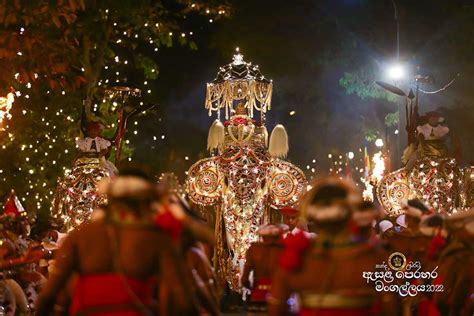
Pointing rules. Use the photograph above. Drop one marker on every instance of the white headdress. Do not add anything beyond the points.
(124, 187)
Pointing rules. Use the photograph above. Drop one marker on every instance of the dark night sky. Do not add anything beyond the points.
(305, 47)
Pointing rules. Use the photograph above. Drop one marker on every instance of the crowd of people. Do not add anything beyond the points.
(146, 252)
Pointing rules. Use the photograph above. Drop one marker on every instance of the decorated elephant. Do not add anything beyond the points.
(245, 177)
(430, 173)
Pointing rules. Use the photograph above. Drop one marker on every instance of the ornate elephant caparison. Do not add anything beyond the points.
(245, 177)
(430, 173)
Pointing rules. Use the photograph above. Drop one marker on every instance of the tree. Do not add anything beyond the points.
(55, 54)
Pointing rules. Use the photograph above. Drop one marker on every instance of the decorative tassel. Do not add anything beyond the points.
(265, 135)
(278, 142)
(216, 135)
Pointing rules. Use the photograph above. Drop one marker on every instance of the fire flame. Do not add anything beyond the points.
(379, 167)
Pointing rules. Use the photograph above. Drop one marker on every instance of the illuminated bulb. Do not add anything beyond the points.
(379, 142)
(396, 72)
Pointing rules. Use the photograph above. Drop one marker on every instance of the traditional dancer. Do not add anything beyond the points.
(118, 257)
(260, 259)
(318, 271)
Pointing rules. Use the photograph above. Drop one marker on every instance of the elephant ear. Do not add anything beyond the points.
(391, 190)
(203, 184)
(287, 184)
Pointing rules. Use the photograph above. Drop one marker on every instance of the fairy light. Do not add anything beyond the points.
(52, 142)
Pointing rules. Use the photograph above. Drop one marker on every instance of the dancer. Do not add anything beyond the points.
(318, 271)
(118, 258)
(260, 259)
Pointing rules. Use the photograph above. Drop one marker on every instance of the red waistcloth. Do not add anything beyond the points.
(261, 289)
(336, 312)
(427, 308)
(108, 293)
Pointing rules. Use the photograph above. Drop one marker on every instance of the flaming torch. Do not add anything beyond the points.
(375, 176)
(379, 167)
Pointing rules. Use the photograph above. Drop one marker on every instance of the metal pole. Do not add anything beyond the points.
(397, 21)
(398, 151)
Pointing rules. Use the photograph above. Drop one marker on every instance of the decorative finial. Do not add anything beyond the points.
(238, 58)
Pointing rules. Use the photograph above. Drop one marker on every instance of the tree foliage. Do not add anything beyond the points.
(362, 84)
(61, 55)
(391, 119)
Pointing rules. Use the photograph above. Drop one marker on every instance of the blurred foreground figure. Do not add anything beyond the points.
(194, 237)
(363, 218)
(456, 261)
(261, 259)
(120, 259)
(327, 273)
(410, 240)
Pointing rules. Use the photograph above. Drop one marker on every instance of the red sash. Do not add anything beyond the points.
(106, 294)
(261, 289)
